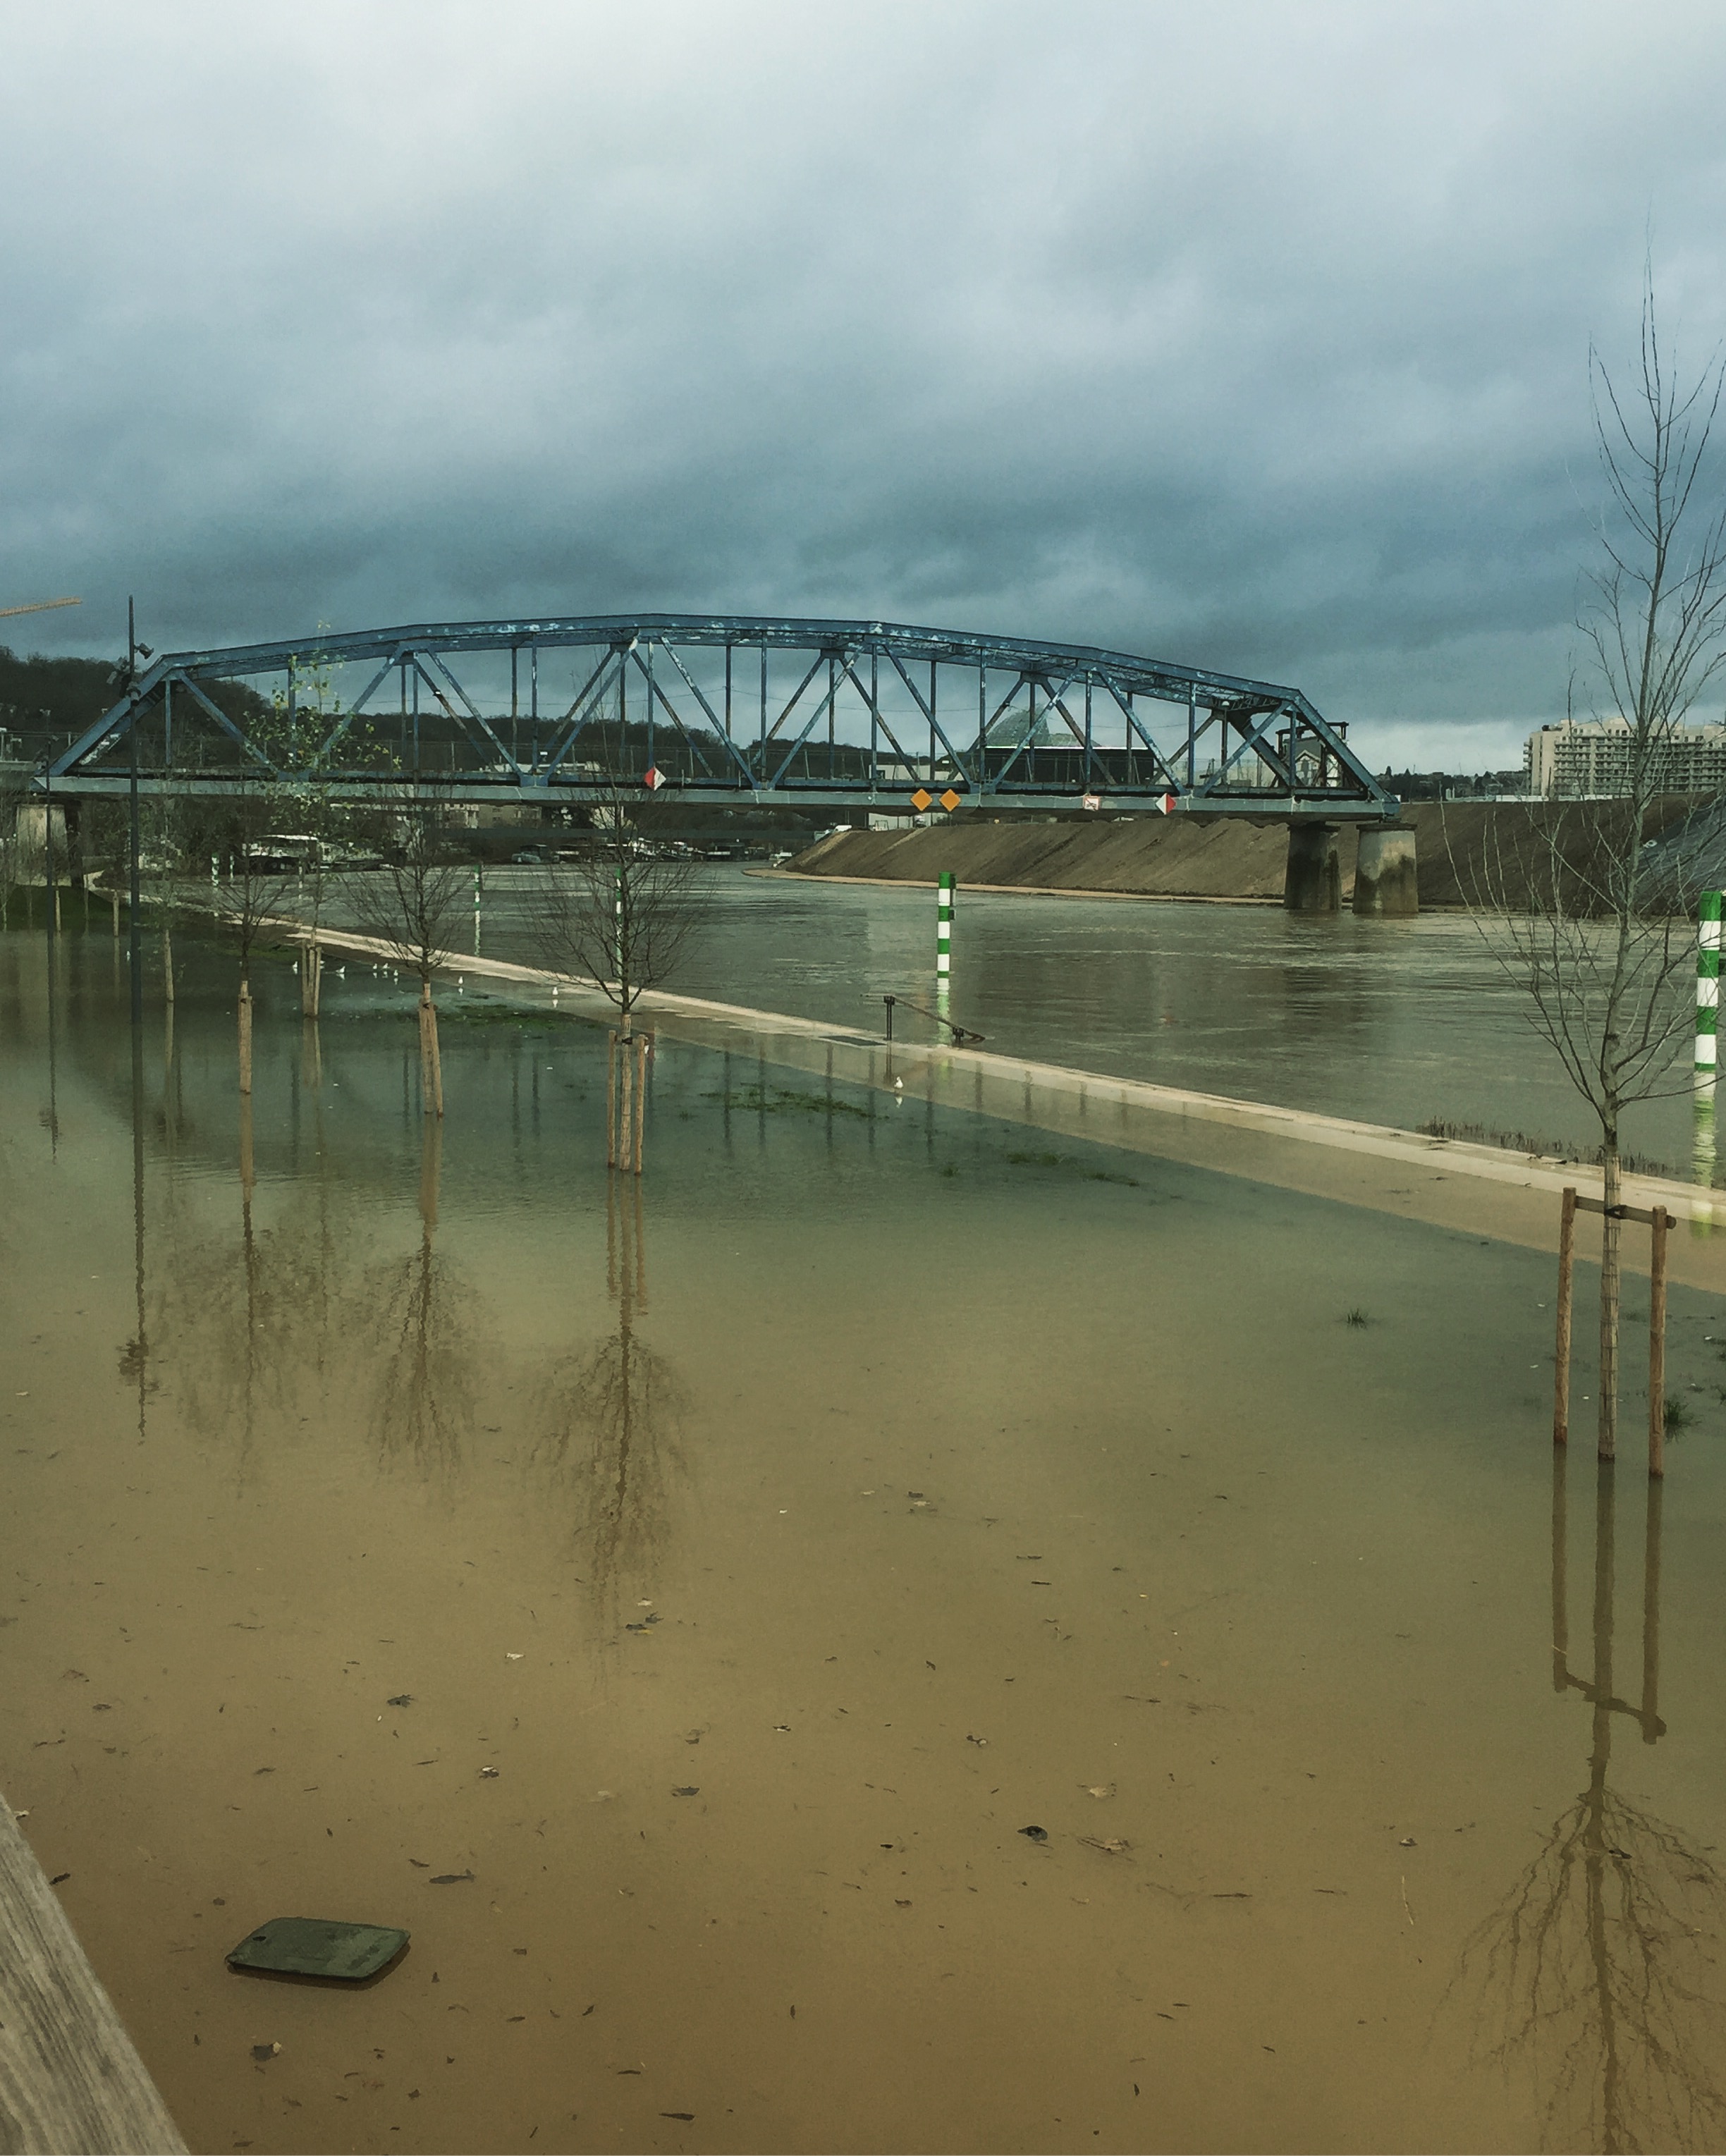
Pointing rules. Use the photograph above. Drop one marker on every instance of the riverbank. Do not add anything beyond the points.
(1464, 851)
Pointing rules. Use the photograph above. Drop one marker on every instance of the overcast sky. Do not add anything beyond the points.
(1254, 336)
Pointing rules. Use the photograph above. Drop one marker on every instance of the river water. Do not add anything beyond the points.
(892, 1632)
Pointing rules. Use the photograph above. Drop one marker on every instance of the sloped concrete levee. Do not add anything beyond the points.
(1467, 852)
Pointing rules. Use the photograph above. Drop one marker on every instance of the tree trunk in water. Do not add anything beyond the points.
(431, 1154)
(167, 965)
(1609, 1227)
(245, 1039)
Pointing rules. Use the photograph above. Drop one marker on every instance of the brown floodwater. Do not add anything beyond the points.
(673, 1603)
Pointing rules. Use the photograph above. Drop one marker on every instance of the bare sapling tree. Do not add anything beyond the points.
(1597, 934)
(622, 915)
(160, 860)
(299, 724)
(413, 906)
(13, 845)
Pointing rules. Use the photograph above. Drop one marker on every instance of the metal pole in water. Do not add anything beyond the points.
(54, 891)
(1561, 1357)
(1708, 985)
(136, 949)
(1707, 1014)
(945, 888)
(1657, 1344)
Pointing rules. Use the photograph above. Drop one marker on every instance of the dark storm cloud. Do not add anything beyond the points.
(1256, 336)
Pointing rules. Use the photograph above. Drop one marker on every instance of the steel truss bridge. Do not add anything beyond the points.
(719, 710)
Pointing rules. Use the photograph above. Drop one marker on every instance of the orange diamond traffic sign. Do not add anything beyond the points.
(949, 801)
(920, 800)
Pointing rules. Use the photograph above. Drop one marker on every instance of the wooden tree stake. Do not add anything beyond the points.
(1659, 1223)
(245, 1038)
(623, 1120)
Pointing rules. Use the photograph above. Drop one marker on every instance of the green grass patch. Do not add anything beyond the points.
(785, 1100)
(1071, 1161)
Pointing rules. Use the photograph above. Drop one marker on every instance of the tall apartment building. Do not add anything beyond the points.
(1591, 756)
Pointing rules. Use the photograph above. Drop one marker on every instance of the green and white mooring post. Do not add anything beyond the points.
(1707, 986)
(944, 889)
(1708, 1045)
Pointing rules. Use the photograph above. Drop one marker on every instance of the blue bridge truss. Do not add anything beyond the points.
(721, 710)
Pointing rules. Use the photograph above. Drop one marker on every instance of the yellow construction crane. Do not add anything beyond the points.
(39, 606)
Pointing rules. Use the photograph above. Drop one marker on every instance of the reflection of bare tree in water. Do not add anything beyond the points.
(611, 1421)
(1598, 1968)
(427, 1384)
(261, 1335)
(225, 1323)
(245, 1334)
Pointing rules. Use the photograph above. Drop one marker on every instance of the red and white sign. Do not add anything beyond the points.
(653, 779)
(1091, 801)
(1166, 804)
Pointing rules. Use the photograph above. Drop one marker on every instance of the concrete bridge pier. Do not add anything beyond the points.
(1313, 882)
(1385, 880)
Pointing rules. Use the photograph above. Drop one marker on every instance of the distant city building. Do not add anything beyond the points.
(1412, 786)
(1591, 756)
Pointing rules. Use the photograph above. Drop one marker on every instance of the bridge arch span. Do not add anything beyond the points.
(724, 709)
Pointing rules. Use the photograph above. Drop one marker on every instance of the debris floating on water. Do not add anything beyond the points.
(319, 1947)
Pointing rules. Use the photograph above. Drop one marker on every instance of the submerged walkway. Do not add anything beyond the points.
(70, 2078)
(1477, 1189)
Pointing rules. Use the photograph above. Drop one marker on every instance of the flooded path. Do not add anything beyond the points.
(1385, 1021)
(674, 1603)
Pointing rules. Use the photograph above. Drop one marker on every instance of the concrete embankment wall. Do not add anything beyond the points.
(1464, 849)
